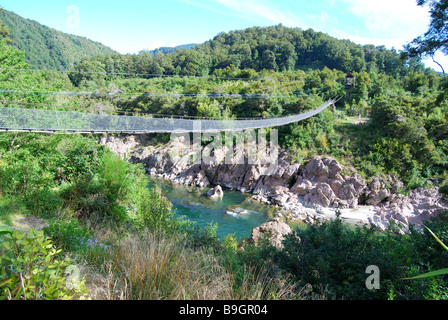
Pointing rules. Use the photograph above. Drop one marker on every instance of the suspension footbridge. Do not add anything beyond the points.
(57, 121)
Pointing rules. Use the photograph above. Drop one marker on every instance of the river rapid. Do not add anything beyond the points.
(236, 213)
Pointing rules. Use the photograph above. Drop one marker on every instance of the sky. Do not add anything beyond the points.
(131, 26)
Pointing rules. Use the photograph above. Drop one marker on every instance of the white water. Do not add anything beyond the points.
(362, 214)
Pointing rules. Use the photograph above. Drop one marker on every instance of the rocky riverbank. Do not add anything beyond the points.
(316, 190)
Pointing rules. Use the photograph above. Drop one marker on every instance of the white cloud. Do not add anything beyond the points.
(157, 44)
(322, 21)
(252, 8)
(402, 18)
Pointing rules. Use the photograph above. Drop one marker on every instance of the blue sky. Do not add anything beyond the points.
(132, 25)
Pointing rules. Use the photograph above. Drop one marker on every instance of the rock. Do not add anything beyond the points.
(378, 197)
(215, 193)
(321, 183)
(121, 145)
(278, 195)
(380, 188)
(419, 206)
(283, 174)
(301, 187)
(318, 183)
(273, 230)
(322, 169)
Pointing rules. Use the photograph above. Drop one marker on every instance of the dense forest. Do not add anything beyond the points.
(293, 70)
(274, 48)
(102, 216)
(47, 48)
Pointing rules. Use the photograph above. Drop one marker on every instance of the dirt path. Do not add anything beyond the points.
(26, 223)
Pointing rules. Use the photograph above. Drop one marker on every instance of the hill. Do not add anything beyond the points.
(279, 48)
(275, 48)
(47, 48)
(166, 50)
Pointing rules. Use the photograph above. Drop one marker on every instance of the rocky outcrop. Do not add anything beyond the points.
(123, 146)
(379, 190)
(274, 231)
(320, 183)
(420, 205)
(215, 193)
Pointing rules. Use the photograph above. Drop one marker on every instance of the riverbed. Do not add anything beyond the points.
(237, 213)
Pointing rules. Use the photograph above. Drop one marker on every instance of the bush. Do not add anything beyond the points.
(444, 190)
(334, 257)
(68, 235)
(30, 270)
(87, 198)
(154, 211)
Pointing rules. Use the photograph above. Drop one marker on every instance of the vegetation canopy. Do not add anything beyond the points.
(98, 216)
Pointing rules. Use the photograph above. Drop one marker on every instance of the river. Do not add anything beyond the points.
(236, 213)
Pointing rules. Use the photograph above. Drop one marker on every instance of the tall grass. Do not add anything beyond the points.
(160, 268)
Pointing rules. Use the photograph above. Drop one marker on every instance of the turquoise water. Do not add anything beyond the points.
(235, 213)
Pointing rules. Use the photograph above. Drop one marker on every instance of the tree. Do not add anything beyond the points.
(436, 38)
(4, 31)
(268, 60)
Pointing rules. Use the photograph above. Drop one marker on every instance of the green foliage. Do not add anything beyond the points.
(30, 270)
(444, 190)
(242, 53)
(435, 38)
(335, 257)
(42, 164)
(204, 237)
(68, 235)
(117, 176)
(47, 48)
(154, 211)
(4, 31)
(72, 176)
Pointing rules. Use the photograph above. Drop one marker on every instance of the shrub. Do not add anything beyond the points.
(444, 190)
(335, 257)
(68, 235)
(117, 175)
(87, 198)
(30, 270)
(154, 211)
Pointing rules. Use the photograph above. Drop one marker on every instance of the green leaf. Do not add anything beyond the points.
(5, 230)
(438, 240)
(7, 281)
(429, 274)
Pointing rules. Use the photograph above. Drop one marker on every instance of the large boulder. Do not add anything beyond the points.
(273, 230)
(215, 193)
(380, 189)
(321, 183)
(322, 169)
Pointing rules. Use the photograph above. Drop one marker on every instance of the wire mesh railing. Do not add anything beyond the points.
(57, 121)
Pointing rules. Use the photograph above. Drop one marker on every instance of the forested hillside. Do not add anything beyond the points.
(47, 48)
(165, 50)
(275, 48)
(100, 213)
(405, 101)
